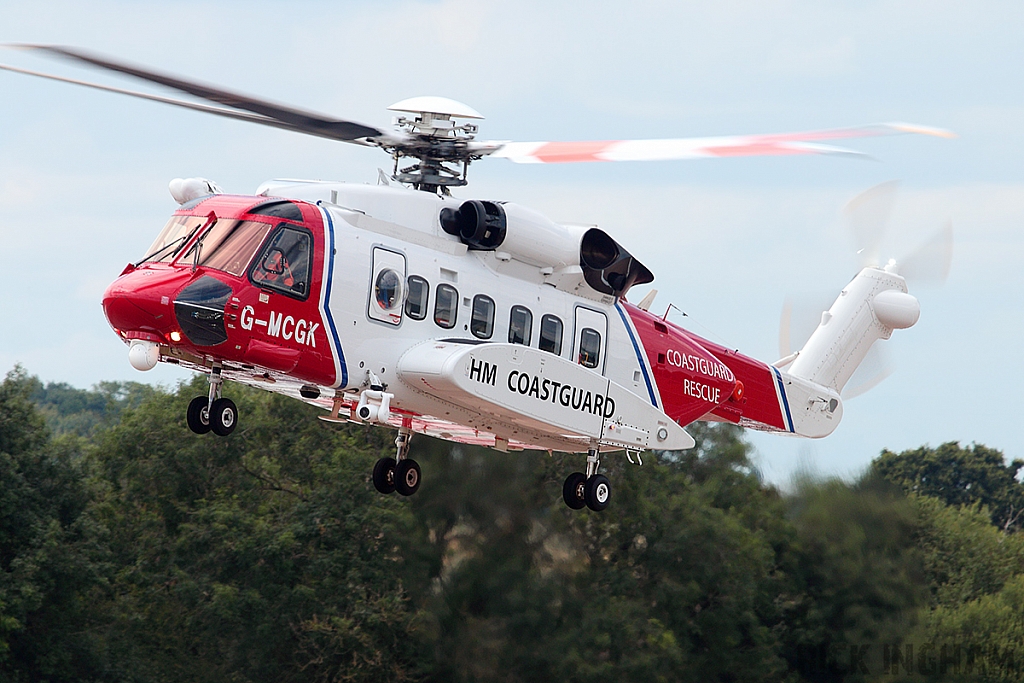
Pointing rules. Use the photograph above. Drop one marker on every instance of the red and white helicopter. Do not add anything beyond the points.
(476, 321)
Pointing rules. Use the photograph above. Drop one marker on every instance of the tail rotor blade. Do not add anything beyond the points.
(785, 321)
(867, 218)
(875, 368)
(930, 263)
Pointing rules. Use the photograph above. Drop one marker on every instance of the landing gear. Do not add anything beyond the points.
(198, 415)
(592, 490)
(211, 412)
(407, 477)
(597, 491)
(384, 475)
(573, 490)
(400, 473)
(223, 416)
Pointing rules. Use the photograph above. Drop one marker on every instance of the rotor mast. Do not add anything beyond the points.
(439, 143)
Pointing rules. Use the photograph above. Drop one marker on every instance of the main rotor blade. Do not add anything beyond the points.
(268, 113)
(778, 144)
(205, 108)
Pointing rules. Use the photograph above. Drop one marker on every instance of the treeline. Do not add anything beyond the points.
(134, 550)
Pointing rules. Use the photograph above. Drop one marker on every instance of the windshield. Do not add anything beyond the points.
(229, 245)
(172, 238)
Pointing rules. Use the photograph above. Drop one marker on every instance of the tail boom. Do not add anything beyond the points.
(802, 399)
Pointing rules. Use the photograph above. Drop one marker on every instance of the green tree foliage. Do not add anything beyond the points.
(265, 556)
(857, 573)
(965, 556)
(979, 640)
(678, 584)
(134, 550)
(68, 410)
(51, 559)
(959, 476)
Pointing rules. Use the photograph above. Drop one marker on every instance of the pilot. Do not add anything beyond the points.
(275, 269)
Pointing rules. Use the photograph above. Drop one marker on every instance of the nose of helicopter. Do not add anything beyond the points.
(141, 301)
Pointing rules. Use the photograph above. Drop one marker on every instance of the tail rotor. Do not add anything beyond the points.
(867, 217)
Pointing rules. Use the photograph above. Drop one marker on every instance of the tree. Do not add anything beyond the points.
(52, 566)
(979, 640)
(959, 476)
(857, 577)
(964, 555)
(263, 556)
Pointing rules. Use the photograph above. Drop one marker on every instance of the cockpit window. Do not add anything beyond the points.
(278, 209)
(172, 238)
(284, 263)
(229, 245)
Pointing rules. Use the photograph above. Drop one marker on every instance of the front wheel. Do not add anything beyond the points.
(407, 477)
(223, 416)
(572, 490)
(384, 475)
(597, 491)
(198, 415)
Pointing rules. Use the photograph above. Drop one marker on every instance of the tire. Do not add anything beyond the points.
(197, 417)
(223, 416)
(384, 475)
(572, 490)
(597, 492)
(407, 477)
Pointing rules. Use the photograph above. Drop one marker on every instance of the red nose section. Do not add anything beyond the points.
(142, 300)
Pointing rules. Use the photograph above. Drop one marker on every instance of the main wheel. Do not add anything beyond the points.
(572, 490)
(407, 477)
(198, 416)
(384, 475)
(597, 491)
(223, 416)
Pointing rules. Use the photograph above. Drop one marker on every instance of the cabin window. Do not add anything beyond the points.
(446, 306)
(590, 348)
(419, 294)
(482, 322)
(387, 290)
(284, 263)
(551, 334)
(520, 324)
(229, 245)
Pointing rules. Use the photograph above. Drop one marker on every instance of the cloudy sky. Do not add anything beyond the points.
(83, 175)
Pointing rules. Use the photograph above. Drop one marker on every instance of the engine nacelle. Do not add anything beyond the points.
(532, 238)
(607, 267)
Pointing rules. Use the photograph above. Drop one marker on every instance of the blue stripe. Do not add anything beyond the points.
(327, 297)
(785, 401)
(636, 347)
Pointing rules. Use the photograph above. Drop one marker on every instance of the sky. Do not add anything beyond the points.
(83, 174)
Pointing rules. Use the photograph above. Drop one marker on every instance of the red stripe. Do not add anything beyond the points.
(755, 149)
(565, 152)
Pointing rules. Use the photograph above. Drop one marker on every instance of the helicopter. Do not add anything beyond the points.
(477, 321)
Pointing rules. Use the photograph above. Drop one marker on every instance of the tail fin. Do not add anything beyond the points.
(874, 304)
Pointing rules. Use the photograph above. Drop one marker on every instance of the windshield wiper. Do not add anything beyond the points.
(181, 241)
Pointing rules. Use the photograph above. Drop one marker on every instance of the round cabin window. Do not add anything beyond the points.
(387, 290)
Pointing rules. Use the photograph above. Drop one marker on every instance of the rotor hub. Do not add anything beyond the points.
(436, 140)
